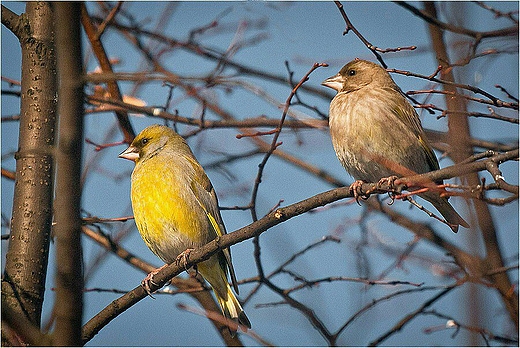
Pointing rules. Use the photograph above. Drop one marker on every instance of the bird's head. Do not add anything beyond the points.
(151, 141)
(358, 74)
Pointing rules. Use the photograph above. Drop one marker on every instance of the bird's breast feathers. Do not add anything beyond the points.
(166, 211)
(368, 137)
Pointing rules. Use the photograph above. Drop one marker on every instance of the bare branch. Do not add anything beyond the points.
(105, 64)
(510, 31)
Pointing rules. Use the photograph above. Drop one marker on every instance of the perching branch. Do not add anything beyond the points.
(263, 224)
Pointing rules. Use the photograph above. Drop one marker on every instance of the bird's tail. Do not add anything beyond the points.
(446, 209)
(232, 308)
(216, 276)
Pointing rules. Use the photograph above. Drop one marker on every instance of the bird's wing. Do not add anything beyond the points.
(407, 114)
(405, 111)
(207, 198)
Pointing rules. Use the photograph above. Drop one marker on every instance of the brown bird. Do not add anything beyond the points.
(377, 133)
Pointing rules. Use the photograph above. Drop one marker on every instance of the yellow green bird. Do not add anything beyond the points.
(176, 209)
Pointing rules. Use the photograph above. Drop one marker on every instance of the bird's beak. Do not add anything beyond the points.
(132, 154)
(335, 82)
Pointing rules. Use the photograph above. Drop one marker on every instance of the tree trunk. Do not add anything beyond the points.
(23, 285)
(69, 279)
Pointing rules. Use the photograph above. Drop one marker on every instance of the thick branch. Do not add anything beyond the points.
(13, 22)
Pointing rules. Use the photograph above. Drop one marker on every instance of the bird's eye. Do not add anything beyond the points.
(351, 72)
(144, 141)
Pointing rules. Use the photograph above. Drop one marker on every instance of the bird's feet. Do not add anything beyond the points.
(355, 188)
(184, 257)
(387, 181)
(145, 283)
